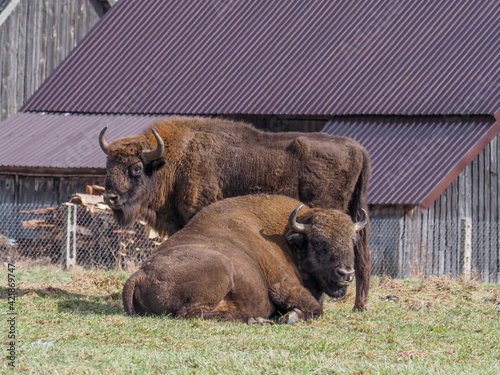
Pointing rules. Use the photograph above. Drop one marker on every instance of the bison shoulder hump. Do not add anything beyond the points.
(299, 146)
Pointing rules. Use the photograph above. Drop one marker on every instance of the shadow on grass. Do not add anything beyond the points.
(75, 303)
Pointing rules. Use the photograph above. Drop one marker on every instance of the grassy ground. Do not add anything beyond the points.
(430, 327)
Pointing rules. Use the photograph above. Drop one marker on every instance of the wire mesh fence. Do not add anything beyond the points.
(35, 234)
(403, 250)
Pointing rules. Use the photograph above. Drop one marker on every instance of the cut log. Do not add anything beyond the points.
(86, 199)
(40, 211)
(95, 190)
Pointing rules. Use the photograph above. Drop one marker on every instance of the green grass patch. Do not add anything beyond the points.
(73, 323)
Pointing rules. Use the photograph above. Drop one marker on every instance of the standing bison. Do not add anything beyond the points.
(247, 258)
(180, 165)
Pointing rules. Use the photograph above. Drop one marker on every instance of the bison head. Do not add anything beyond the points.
(325, 239)
(130, 175)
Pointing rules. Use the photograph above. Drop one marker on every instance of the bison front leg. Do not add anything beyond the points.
(362, 265)
(205, 312)
(195, 199)
(293, 297)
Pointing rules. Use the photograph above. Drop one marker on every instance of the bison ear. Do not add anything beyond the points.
(295, 239)
(156, 164)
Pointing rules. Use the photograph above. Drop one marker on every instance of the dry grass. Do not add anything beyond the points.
(73, 322)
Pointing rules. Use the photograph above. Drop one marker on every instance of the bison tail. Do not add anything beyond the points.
(362, 254)
(359, 196)
(129, 290)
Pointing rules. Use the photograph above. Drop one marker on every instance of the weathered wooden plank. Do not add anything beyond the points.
(461, 194)
(448, 255)
(2, 57)
(481, 212)
(475, 211)
(37, 189)
(82, 20)
(72, 20)
(51, 38)
(494, 178)
(410, 244)
(424, 251)
(76, 184)
(465, 247)
(468, 190)
(7, 189)
(62, 29)
(487, 209)
(494, 246)
(448, 225)
(6, 66)
(401, 245)
(21, 54)
(442, 234)
(11, 82)
(37, 47)
(44, 41)
(92, 17)
(496, 209)
(430, 239)
(407, 246)
(31, 26)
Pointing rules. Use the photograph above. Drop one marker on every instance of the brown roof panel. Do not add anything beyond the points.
(414, 159)
(314, 57)
(62, 140)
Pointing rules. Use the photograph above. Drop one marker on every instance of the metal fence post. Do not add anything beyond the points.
(69, 235)
(466, 247)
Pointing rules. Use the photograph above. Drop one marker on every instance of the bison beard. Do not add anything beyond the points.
(127, 216)
(212, 159)
(339, 293)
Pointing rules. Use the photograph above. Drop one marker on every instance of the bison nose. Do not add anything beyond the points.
(345, 274)
(111, 199)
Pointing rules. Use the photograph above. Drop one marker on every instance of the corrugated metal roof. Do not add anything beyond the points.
(62, 140)
(314, 57)
(415, 159)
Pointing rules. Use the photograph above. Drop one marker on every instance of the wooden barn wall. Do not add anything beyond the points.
(284, 124)
(428, 241)
(50, 190)
(34, 40)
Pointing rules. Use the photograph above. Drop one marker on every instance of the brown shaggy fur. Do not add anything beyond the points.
(238, 260)
(206, 160)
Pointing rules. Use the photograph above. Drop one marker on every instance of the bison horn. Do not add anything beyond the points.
(298, 227)
(158, 152)
(102, 142)
(362, 223)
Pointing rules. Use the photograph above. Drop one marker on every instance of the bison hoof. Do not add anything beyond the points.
(260, 321)
(361, 307)
(291, 317)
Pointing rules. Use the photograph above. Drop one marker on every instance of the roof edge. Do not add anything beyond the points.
(11, 6)
(51, 171)
(461, 165)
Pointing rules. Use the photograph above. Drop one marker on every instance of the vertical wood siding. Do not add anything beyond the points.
(50, 190)
(34, 40)
(430, 244)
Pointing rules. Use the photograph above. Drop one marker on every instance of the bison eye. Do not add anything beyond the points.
(136, 170)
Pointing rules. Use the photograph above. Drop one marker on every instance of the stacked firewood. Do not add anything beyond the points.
(100, 241)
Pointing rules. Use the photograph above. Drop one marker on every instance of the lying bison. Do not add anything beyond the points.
(247, 258)
(180, 165)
